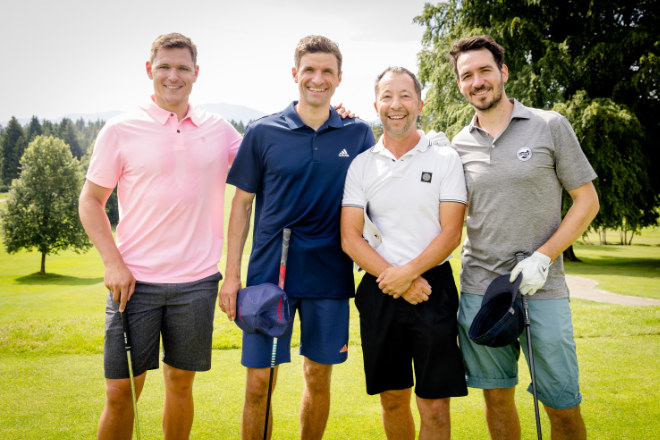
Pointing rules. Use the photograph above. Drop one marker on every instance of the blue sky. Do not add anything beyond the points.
(88, 56)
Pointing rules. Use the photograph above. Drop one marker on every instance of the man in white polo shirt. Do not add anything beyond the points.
(414, 193)
(169, 162)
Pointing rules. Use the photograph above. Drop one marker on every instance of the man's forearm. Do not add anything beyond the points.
(575, 222)
(237, 232)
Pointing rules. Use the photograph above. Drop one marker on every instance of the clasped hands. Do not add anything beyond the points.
(399, 281)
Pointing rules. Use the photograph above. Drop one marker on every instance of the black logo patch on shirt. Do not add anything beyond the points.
(427, 176)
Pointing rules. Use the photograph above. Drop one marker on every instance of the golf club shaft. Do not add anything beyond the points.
(127, 346)
(286, 236)
(531, 368)
(532, 372)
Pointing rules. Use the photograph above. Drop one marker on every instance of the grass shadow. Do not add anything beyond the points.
(57, 279)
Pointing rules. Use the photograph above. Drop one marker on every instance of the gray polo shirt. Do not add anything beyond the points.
(514, 184)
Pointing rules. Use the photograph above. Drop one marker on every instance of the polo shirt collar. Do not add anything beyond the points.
(423, 144)
(294, 122)
(519, 112)
(161, 115)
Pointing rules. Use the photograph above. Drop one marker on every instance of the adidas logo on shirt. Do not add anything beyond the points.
(343, 153)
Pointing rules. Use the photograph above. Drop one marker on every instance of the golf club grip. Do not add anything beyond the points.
(124, 324)
(286, 236)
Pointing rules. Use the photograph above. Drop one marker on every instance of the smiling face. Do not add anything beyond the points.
(398, 104)
(317, 77)
(480, 80)
(173, 73)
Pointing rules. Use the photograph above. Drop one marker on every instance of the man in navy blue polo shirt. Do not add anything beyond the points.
(294, 164)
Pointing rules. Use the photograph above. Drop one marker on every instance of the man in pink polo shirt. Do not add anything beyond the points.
(169, 161)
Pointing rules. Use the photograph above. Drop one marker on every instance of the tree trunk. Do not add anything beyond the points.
(43, 264)
(569, 255)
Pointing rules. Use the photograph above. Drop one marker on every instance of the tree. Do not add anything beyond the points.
(67, 132)
(13, 145)
(599, 58)
(42, 208)
(33, 129)
(612, 136)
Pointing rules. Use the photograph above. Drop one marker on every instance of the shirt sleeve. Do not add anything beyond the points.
(106, 164)
(354, 194)
(452, 187)
(572, 166)
(247, 168)
(233, 141)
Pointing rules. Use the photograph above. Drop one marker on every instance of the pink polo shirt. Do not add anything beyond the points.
(171, 187)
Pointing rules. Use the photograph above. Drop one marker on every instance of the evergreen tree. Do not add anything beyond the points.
(42, 209)
(33, 129)
(67, 133)
(13, 145)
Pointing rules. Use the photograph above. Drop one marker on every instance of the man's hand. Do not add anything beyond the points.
(344, 112)
(438, 138)
(395, 280)
(121, 282)
(227, 298)
(534, 270)
(419, 291)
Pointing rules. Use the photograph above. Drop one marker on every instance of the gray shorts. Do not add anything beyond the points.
(182, 313)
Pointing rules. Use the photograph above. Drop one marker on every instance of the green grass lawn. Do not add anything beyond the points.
(51, 335)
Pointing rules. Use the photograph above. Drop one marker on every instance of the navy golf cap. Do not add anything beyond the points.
(500, 320)
(263, 308)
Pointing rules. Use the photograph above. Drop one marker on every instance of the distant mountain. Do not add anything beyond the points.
(227, 111)
(234, 112)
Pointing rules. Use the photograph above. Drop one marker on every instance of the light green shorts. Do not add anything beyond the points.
(555, 359)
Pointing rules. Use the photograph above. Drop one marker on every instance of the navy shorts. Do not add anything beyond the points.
(323, 335)
(182, 313)
(397, 335)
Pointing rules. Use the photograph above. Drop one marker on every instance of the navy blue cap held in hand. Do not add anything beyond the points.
(500, 319)
(263, 308)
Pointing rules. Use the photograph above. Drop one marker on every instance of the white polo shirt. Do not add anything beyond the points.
(403, 196)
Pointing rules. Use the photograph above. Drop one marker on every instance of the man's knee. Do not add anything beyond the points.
(395, 400)
(256, 388)
(317, 376)
(178, 381)
(118, 393)
(566, 417)
(500, 399)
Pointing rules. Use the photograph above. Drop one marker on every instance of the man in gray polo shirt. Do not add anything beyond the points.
(517, 160)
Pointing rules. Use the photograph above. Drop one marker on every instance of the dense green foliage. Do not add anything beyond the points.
(42, 209)
(12, 144)
(598, 58)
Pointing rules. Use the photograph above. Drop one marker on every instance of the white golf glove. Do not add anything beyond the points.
(534, 270)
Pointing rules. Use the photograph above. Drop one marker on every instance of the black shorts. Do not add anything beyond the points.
(397, 335)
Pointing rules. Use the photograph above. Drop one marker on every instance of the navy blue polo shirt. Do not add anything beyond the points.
(298, 177)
